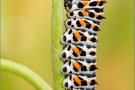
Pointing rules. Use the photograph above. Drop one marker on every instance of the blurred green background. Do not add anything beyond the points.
(26, 39)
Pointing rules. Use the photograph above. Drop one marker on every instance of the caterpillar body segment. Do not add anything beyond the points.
(79, 37)
(80, 81)
(79, 67)
(78, 52)
(85, 5)
(87, 14)
(66, 2)
(82, 24)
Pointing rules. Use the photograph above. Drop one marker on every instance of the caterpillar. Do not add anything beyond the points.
(80, 40)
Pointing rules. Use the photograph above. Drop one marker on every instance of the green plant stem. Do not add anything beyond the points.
(25, 73)
(56, 47)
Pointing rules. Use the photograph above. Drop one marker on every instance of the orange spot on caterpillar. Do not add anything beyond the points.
(84, 13)
(88, 38)
(77, 80)
(77, 66)
(85, 3)
(96, 15)
(98, 2)
(88, 68)
(82, 22)
(76, 50)
(92, 26)
(89, 82)
(77, 35)
(88, 52)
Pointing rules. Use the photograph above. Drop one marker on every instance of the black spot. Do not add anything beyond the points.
(83, 30)
(69, 63)
(93, 3)
(70, 32)
(78, 23)
(64, 69)
(92, 68)
(66, 84)
(72, 25)
(83, 38)
(69, 57)
(98, 10)
(71, 87)
(89, 89)
(64, 55)
(99, 17)
(83, 53)
(74, 38)
(96, 22)
(69, 22)
(71, 14)
(80, 5)
(93, 39)
(84, 83)
(69, 47)
(69, 5)
(91, 14)
(80, 44)
(88, 25)
(90, 60)
(92, 53)
(69, 41)
(93, 82)
(95, 28)
(91, 75)
(95, 34)
(64, 38)
(80, 14)
(101, 3)
(83, 68)
(88, 46)
(90, 33)
(70, 77)
(74, 18)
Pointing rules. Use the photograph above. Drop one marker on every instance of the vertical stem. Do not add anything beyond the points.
(56, 47)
